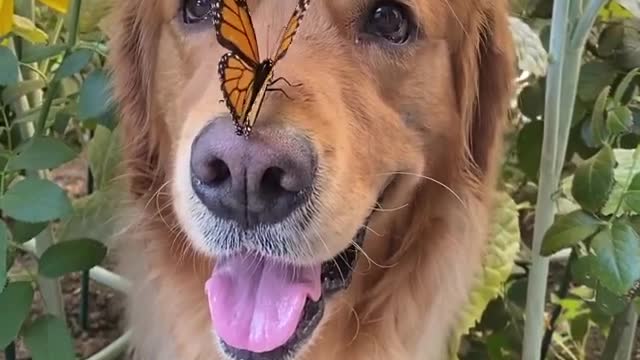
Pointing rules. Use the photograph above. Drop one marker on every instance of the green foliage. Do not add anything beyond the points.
(54, 97)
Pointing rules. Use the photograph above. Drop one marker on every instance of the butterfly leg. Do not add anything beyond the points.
(280, 91)
(286, 82)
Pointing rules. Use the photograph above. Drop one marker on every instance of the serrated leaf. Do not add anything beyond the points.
(624, 85)
(617, 250)
(594, 76)
(95, 96)
(598, 124)
(593, 180)
(498, 262)
(18, 297)
(35, 200)
(73, 63)
(632, 196)
(9, 66)
(41, 152)
(48, 338)
(619, 120)
(4, 246)
(569, 230)
(71, 256)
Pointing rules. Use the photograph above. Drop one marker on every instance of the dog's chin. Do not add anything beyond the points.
(334, 276)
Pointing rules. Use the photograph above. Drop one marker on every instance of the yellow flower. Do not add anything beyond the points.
(6, 16)
(57, 5)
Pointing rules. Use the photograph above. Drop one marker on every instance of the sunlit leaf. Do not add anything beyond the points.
(57, 5)
(6, 16)
(26, 29)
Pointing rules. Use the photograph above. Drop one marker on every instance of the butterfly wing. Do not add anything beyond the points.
(234, 29)
(237, 78)
(291, 29)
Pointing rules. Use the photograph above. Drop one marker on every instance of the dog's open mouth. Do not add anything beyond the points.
(264, 309)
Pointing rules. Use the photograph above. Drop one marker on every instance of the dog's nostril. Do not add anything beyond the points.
(271, 182)
(216, 172)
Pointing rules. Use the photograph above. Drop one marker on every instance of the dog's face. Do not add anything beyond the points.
(382, 94)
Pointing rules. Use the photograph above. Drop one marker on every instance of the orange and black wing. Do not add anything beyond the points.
(291, 29)
(237, 79)
(234, 29)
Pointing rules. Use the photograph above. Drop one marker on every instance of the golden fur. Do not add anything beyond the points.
(429, 115)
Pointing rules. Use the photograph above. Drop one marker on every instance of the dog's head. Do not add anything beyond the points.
(380, 89)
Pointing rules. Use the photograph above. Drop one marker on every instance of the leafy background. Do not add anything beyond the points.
(59, 184)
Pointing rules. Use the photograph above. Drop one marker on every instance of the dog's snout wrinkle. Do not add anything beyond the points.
(256, 180)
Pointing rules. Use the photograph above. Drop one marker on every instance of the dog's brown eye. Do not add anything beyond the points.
(195, 11)
(390, 21)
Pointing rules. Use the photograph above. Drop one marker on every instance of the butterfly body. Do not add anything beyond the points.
(245, 79)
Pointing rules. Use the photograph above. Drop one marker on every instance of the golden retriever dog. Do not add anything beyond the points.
(350, 223)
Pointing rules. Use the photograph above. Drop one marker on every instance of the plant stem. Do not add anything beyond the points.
(545, 211)
(74, 15)
(562, 293)
(620, 324)
(565, 52)
(625, 352)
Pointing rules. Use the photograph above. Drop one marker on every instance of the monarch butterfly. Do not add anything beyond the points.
(245, 78)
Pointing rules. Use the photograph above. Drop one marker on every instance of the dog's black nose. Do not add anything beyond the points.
(255, 180)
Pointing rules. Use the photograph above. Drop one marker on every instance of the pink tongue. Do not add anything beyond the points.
(257, 303)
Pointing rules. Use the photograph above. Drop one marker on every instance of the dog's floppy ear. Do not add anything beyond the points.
(485, 85)
(133, 49)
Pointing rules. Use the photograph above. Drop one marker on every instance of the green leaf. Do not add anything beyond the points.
(104, 156)
(598, 123)
(18, 297)
(94, 216)
(22, 232)
(619, 120)
(48, 338)
(95, 96)
(41, 152)
(593, 180)
(632, 196)
(73, 63)
(4, 246)
(624, 85)
(71, 256)
(582, 271)
(594, 76)
(36, 52)
(9, 66)
(569, 230)
(529, 148)
(610, 303)
(12, 92)
(617, 252)
(35, 200)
